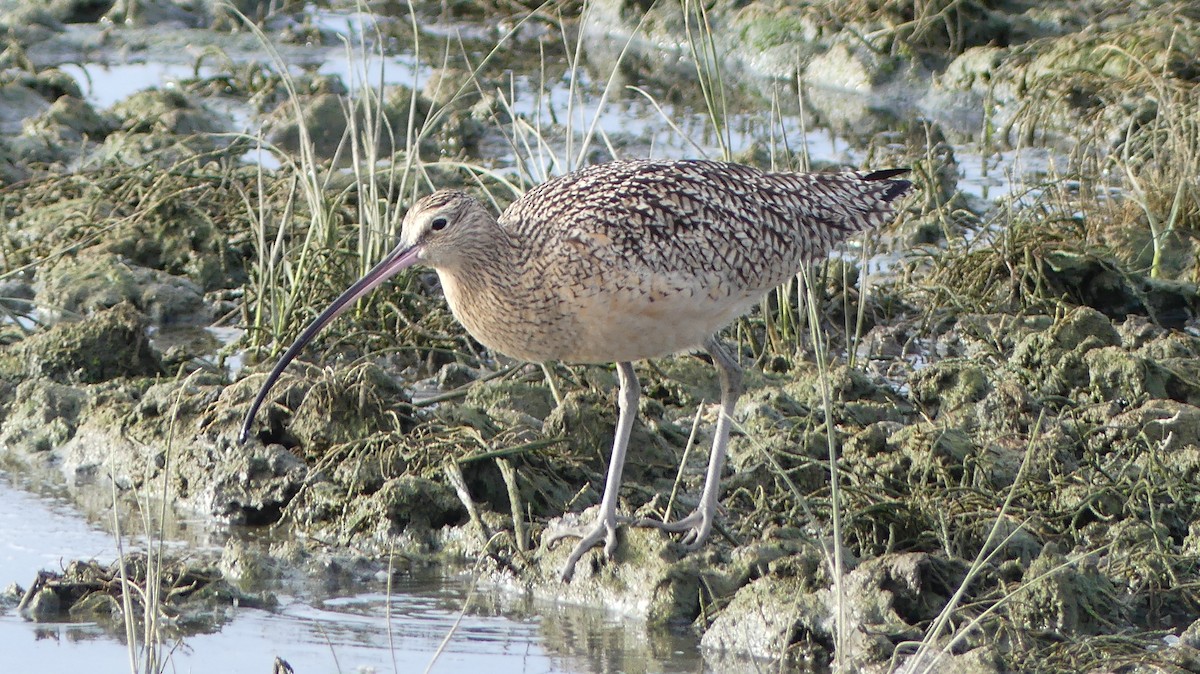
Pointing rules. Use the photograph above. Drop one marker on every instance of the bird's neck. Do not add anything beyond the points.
(489, 259)
(481, 279)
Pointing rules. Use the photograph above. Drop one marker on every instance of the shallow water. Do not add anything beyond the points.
(106, 84)
(40, 530)
(360, 630)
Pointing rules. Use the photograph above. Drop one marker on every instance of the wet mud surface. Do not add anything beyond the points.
(1013, 401)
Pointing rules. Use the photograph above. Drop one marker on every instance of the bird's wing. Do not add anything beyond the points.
(672, 220)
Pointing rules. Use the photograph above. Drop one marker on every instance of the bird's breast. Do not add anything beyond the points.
(593, 318)
(517, 319)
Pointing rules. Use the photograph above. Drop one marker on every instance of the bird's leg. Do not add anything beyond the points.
(605, 528)
(696, 526)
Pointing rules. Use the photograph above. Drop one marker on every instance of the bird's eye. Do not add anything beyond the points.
(438, 224)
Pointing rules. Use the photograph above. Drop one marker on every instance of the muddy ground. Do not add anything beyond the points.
(1015, 404)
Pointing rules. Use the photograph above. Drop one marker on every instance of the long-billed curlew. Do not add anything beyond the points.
(624, 261)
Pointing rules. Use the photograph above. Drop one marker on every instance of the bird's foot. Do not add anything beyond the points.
(604, 529)
(695, 527)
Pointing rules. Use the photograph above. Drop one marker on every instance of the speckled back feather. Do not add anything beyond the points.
(688, 216)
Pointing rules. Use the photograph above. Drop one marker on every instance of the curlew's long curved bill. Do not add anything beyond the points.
(397, 260)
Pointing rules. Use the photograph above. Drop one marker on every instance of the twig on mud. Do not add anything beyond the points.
(461, 391)
(512, 451)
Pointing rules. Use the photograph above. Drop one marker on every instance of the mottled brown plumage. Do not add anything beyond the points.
(625, 261)
(591, 267)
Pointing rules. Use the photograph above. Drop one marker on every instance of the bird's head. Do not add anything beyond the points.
(446, 229)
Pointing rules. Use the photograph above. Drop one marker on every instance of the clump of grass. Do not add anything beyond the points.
(1125, 102)
(1008, 269)
(1159, 168)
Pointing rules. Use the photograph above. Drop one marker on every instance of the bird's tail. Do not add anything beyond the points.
(896, 188)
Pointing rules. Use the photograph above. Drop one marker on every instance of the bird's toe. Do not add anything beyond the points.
(589, 535)
(694, 528)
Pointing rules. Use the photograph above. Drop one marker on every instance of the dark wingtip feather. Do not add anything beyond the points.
(884, 174)
(896, 188)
